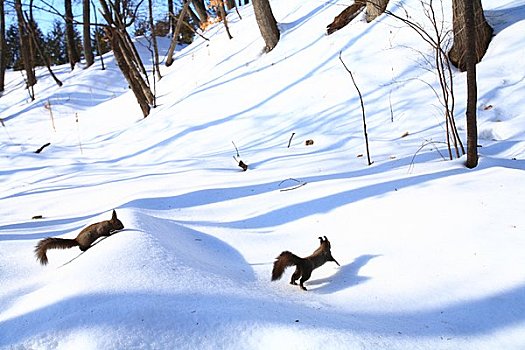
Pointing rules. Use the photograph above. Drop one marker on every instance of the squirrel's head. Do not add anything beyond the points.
(115, 222)
(325, 246)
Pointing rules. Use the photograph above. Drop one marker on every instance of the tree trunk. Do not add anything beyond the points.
(70, 35)
(30, 23)
(193, 16)
(374, 8)
(97, 40)
(171, 17)
(267, 23)
(482, 29)
(3, 47)
(127, 72)
(154, 40)
(472, 91)
(201, 10)
(33, 36)
(24, 46)
(126, 55)
(88, 49)
(174, 39)
(229, 4)
(346, 16)
(222, 12)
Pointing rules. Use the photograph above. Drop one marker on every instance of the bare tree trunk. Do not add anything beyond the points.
(88, 49)
(222, 12)
(229, 4)
(30, 23)
(127, 72)
(31, 30)
(24, 47)
(3, 47)
(267, 23)
(174, 39)
(482, 28)
(193, 15)
(97, 40)
(201, 10)
(70, 35)
(472, 91)
(346, 16)
(171, 16)
(126, 54)
(154, 40)
(374, 8)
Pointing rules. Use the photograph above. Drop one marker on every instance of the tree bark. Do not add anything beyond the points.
(472, 91)
(174, 39)
(171, 17)
(32, 34)
(229, 4)
(24, 46)
(126, 54)
(97, 40)
(126, 70)
(222, 13)
(482, 29)
(88, 49)
(267, 23)
(201, 10)
(72, 52)
(3, 47)
(374, 8)
(346, 16)
(154, 40)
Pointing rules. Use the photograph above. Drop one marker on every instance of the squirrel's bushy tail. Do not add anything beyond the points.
(52, 243)
(284, 260)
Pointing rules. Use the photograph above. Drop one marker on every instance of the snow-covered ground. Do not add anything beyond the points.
(431, 253)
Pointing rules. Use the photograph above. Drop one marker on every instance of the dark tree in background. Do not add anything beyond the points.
(171, 16)
(55, 43)
(482, 29)
(267, 23)
(72, 51)
(12, 41)
(86, 33)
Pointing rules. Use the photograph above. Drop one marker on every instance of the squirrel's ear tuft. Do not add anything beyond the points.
(114, 215)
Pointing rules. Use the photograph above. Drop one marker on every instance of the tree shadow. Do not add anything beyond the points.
(501, 18)
(199, 316)
(45, 228)
(346, 276)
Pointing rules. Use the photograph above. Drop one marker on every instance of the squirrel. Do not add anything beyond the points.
(304, 266)
(84, 239)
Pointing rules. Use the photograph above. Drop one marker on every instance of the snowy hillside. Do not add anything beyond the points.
(431, 253)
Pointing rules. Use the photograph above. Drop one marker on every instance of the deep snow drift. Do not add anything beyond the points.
(431, 253)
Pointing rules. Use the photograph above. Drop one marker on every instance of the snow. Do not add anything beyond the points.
(431, 252)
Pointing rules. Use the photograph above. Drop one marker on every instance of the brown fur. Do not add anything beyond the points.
(304, 266)
(85, 238)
